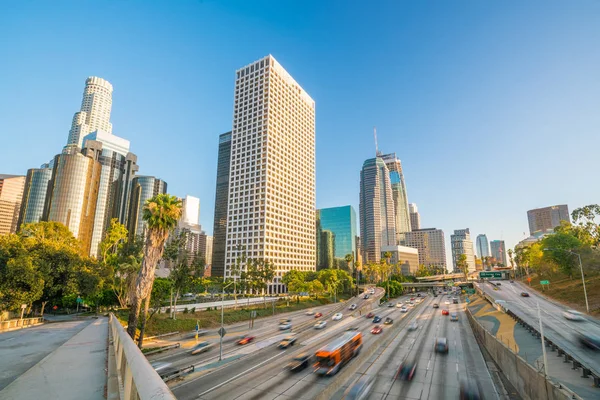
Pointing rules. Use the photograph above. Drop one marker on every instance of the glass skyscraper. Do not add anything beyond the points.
(143, 188)
(399, 194)
(221, 196)
(336, 235)
(34, 196)
(483, 248)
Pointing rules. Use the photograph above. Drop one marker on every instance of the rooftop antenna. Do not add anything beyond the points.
(376, 147)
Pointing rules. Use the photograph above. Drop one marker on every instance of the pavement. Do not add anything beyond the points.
(62, 360)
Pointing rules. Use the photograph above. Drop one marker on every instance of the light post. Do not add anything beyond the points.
(221, 336)
(587, 306)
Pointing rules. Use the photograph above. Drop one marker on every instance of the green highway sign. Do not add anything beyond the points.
(493, 274)
(544, 282)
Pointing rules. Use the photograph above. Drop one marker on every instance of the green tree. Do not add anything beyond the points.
(259, 274)
(461, 264)
(584, 227)
(315, 287)
(21, 283)
(115, 234)
(160, 214)
(559, 245)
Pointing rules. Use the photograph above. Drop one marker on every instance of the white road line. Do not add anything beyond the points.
(428, 362)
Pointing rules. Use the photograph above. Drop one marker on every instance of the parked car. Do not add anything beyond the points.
(299, 362)
(377, 329)
(441, 345)
(287, 342)
(320, 324)
(201, 347)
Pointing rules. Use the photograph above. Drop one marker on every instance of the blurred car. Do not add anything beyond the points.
(589, 341)
(403, 309)
(413, 326)
(337, 317)
(388, 321)
(309, 312)
(353, 307)
(468, 391)
(573, 315)
(376, 330)
(398, 305)
(412, 299)
(370, 315)
(418, 294)
(390, 304)
(454, 317)
(372, 291)
(299, 362)
(162, 368)
(287, 342)
(361, 389)
(285, 324)
(318, 315)
(455, 300)
(411, 304)
(436, 305)
(201, 347)
(441, 345)
(445, 312)
(435, 295)
(377, 319)
(366, 296)
(511, 281)
(352, 328)
(498, 284)
(447, 302)
(407, 370)
(245, 340)
(524, 294)
(320, 325)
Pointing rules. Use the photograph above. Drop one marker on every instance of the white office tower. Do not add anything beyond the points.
(271, 204)
(95, 111)
(190, 214)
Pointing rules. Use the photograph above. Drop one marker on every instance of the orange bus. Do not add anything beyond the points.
(333, 356)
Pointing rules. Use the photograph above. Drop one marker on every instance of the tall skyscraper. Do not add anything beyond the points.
(221, 196)
(34, 195)
(377, 213)
(341, 223)
(399, 195)
(95, 111)
(73, 191)
(11, 195)
(271, 205)
(461, 244)
(499, 251)
(542, 219)
(415, 217)
(190, 213)
(483, 248)
(431, 245)
(143, 188)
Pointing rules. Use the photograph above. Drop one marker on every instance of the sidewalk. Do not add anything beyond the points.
(75, 370)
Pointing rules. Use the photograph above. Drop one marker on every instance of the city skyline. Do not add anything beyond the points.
(154, 106)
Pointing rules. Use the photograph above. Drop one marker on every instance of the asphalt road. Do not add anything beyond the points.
(22, 349)
(437, 376)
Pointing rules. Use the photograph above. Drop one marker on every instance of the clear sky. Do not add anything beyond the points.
(492, 106)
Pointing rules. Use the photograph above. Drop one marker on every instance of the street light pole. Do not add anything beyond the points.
(587, 305)
(543, 342)
(221, 336)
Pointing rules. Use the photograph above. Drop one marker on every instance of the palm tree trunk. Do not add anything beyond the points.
(134, 313)
(144, 320)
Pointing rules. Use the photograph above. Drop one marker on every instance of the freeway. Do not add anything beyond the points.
(437, 375)
(557, 328)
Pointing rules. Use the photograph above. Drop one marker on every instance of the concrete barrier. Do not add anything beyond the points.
(530, 383)
(12, 324)
(130, 375)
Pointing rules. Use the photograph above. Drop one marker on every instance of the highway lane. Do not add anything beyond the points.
(437, 376)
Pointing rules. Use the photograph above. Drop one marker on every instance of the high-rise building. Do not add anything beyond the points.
(11, 195)
(341, 223)
(221, 196)
(542, 219)
(34, 195)
(271, 205)
(431, 245)
(483, 248)
(377, 213)
(407, 256)
(415, 217)
(95, 111)
(143, 188)
(208, 250)
(73, 191)
(190, 210)
(118, 166)
(499, 251)
(461, 243)
(399, 195)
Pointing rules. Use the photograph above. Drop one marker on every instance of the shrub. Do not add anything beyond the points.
(193, 310)
(185, 310)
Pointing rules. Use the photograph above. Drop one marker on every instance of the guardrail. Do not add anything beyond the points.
(19, 323)
(130, 373)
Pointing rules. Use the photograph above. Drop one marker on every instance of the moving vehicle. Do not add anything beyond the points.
(370, 315)
(589, 341)
(366, 296)
(245, 340)
(407, 370)
(318, 315)
(413, 326)
(469, 391)
(377, 319)
(573, 315)
(524, 294)
(320, 324)
(285, 324)
(353, 307)
(337, 317)
(398, 305)
(361, 389)
(377, 329)
(436, 305)
(390, 305)
(372, 291)
(287, 342)
(441, 345)
(455, 300)
(299, 362)
(309, 312)
(403, 309)
(447, 302)
(332, 357)
(445, 312)
(454, 317)
(163, 368)
(352, 328)
(201, 347)
(388, 321)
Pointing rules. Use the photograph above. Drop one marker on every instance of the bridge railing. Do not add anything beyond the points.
(136, 378)
(19, 323)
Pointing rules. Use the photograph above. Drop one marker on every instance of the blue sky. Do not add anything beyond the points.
(492, 106)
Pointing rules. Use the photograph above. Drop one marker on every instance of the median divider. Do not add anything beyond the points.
(164, 348)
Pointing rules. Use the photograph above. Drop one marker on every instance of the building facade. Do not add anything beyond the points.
(430, 243)
(482, 244)
(340, 222)
(11, 196)
(34, 195)
(415, 217)
(499, 251)
(542, 219)
(95, 111)
(461, 243)
(377, 213)
(221, 198)
(399, 195)
(143, 188)
(271, 204)
(407, 256)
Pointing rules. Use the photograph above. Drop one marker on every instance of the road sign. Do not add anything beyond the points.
(222, 332)
(493, 274)
(544, 282)
(253, 314)
(23, 305)
(528, 279)
(79, 300)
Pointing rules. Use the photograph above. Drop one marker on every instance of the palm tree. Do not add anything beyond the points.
(161, 214)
